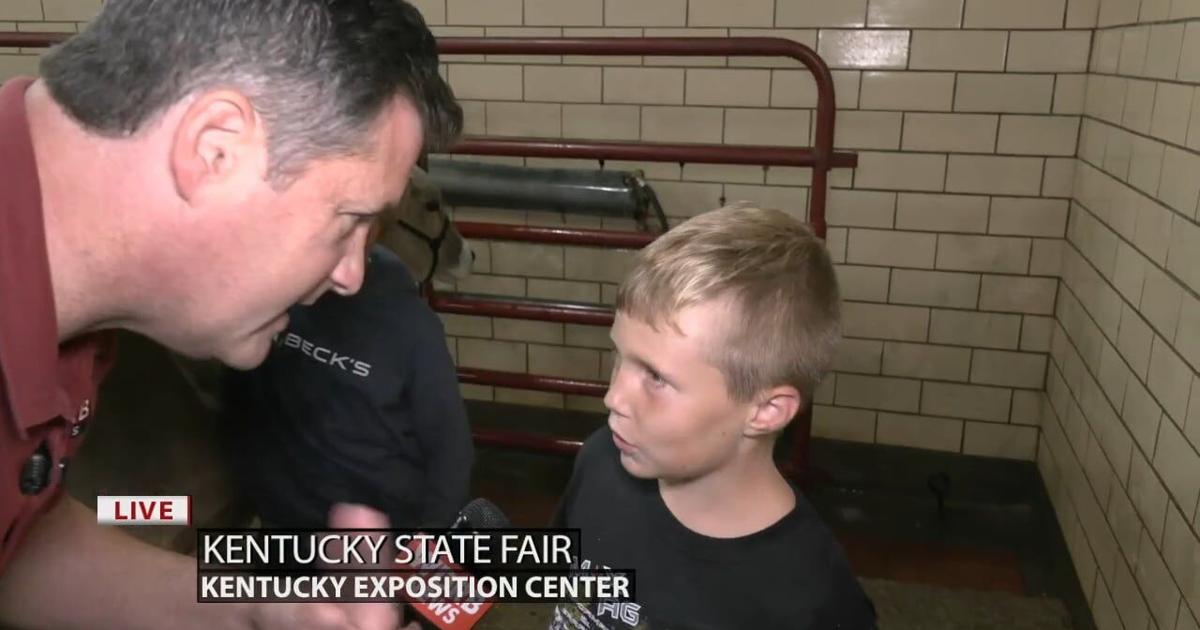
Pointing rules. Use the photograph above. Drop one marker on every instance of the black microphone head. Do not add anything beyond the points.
(482, 514)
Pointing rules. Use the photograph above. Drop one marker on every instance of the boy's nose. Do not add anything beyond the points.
(614, 398)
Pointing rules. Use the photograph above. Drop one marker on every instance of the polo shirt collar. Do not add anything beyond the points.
(29, 348)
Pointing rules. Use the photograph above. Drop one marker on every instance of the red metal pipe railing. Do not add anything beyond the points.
(555, 234)
(31, 40)
(568, 313)
(820, 157)
(515, 441)
(650, 152)
(537, 382)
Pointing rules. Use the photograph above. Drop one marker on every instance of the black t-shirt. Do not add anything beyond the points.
(357, 402)
(792, 575)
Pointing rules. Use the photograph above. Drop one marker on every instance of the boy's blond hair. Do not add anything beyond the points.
(781, 323)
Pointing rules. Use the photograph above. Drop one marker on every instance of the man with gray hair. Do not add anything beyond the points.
(187, 170)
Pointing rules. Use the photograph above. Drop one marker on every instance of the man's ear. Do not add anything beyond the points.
(775, 409)
(219, 138)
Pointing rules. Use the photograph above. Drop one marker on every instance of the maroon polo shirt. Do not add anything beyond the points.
(47, 389)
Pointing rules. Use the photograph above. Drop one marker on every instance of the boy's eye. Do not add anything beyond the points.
(656, 379)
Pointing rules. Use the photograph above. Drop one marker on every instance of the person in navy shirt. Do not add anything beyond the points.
(358, 402)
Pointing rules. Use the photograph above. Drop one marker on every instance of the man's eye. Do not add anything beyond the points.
(656, 379)
(356, 220)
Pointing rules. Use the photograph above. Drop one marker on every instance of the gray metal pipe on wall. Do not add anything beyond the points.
(601, 192)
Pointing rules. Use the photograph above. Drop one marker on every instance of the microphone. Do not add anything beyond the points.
(478, 514)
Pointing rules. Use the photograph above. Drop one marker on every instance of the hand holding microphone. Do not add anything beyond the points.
(373, 615)
(335, 616)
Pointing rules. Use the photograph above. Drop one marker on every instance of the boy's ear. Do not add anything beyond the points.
(776, 408)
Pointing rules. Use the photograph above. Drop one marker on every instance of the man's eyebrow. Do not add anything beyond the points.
(377, 209)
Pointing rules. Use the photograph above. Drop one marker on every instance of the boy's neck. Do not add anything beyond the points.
(735, 501)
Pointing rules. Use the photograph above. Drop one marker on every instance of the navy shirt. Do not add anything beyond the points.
(791, 575)
(357, 402)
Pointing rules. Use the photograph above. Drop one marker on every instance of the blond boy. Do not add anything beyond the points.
(723, 330)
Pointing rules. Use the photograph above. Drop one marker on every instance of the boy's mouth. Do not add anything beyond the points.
(622, 445)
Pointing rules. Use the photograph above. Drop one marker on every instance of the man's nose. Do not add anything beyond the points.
(347, 276)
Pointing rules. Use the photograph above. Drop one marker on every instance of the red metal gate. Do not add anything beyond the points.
(820, 157)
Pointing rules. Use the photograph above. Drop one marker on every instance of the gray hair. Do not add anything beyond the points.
(319, 72)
